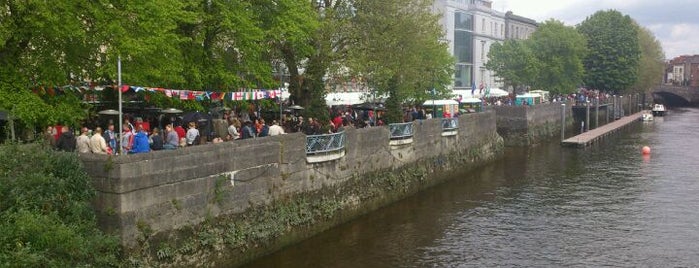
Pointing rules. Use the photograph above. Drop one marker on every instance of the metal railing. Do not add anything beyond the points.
(401, 131)
(316, 144)
(450, 124)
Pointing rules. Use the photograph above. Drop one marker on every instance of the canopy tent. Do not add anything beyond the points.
(442, 108)
(497, 92)
(440, 102)
(344, 98)
(471, 100)
(493, 92)
(529, 99)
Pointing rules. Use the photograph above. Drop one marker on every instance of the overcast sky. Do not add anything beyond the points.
(675, 23)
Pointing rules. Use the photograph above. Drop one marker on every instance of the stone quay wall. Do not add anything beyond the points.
(149, 198)
(527, 125)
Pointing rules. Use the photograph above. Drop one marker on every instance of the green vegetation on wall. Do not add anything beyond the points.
(46, 216)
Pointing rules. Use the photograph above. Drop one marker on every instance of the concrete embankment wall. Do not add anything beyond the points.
(526, 125)
(224, 204)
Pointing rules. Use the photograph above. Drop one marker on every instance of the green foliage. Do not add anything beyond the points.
(560, 50)
(651, 66)
(400, 54)
(47, 219)
(614, 51)
(514, 62)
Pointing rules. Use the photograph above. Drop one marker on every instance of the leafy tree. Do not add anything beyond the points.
(559, 50)
(651, 66)
(224, 47)
(399, 54)
(47, 220)
(514, 62)
(614, 51)
(44, 44)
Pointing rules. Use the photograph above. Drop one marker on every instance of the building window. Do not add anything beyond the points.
(463, 76)
(483, 26)
(463, 46)
(495, 30)
(482, 49)
(502, 30)
(463, 21)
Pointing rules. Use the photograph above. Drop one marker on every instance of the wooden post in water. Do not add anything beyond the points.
(563, 121)
(613, 107)
(597, 112)
(587, 116)
(606, 108)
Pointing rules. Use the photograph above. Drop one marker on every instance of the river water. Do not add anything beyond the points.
(542, 206)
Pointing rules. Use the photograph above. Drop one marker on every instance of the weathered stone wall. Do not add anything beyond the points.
(148, 195)
(526, 125)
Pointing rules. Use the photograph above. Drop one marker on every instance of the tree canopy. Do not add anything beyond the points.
(400, 54)
(550, 60)
(614, 51)
(559, 50)
(651, 65)
(514, 62)
(217, 45)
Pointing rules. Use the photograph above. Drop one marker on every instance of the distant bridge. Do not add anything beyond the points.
(676, 95)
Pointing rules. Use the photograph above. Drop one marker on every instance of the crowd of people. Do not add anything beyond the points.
(138, 137)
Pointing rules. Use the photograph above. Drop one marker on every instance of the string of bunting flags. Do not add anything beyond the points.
(246, 94)
(250, 94)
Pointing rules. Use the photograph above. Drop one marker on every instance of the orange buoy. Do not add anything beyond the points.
(645, 150)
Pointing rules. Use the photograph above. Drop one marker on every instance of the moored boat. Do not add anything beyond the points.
(646, 117)
(659, 110)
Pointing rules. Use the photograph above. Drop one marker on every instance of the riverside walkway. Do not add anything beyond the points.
(594, 135)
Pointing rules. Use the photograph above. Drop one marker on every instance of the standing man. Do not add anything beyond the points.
(97, 143)
(126, 139)
(66, 142)
(110, 138)
(83, 142)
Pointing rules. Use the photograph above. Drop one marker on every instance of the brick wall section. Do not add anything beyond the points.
(167, 190)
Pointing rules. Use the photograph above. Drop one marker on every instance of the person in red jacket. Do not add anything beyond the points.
(180, 132)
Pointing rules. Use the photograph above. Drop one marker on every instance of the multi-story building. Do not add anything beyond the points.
(471, 27)
(683, 71)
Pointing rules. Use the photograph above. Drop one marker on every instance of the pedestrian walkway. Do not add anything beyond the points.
(592, 136)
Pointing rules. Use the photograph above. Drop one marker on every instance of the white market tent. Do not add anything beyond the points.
(344, 98)
(471, 100)
(440, 102)
(497, 92)
(466, 93)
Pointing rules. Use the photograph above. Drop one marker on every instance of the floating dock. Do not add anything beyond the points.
(594, 135)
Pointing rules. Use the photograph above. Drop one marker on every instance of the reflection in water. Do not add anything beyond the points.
(542, 206)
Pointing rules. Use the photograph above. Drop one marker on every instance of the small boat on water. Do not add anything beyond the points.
(659, 110)
(646, 117)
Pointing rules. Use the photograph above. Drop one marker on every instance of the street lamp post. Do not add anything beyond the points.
(121, 114)
(281, 90)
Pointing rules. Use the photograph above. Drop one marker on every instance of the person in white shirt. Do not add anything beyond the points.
(97, 143)
(233, 129)
(275, 129)
(192, 134)
(83, 141)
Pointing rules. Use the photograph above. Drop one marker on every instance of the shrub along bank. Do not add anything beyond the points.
(45, 214)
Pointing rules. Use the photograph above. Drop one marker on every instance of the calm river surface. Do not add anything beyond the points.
(542, 206)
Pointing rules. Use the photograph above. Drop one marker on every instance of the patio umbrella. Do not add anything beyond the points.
(109, 112)
(171, 111)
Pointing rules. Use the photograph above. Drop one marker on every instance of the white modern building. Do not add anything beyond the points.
(471, 27)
